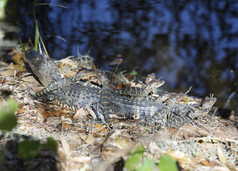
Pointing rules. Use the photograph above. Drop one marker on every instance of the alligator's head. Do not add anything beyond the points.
(42, 66)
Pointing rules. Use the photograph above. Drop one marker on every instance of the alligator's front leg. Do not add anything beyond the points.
(55, 85)
(177, 120)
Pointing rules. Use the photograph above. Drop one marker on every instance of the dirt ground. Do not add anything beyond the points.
(210, 144)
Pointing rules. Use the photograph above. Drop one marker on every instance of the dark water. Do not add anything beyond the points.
(186, 43)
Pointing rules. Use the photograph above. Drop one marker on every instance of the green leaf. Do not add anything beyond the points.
(8, 119)
(22, 46)
(167, 163)
(52, 144)
(148, 165)
(133, 72)
(29, 149)
(36, 36)
(134, 158)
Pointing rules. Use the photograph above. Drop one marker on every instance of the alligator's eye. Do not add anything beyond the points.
(36, 59)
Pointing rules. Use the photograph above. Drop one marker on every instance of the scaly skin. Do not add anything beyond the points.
(48, 73)
(72, 93)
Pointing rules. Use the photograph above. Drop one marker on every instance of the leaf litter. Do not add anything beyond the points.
(211, 144)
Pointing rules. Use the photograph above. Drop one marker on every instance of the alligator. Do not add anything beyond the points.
(74, 94)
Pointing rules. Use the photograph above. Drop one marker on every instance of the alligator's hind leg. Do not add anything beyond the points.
(177, 121)
(150, 127)
(173, 122)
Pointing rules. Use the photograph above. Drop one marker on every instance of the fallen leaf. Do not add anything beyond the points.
(179, 156)
(53, 121)
(8, 73)
(61, 154)
(20, 111)
(65, 147)
(209, 163)
(31, 80)
(116, 61)
(90, 139)
(221, 156)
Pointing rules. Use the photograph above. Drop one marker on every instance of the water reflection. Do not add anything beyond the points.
(190, 43)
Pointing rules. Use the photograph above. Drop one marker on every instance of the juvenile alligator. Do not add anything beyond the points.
(72, 93)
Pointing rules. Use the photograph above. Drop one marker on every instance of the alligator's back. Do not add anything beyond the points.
(76, 96)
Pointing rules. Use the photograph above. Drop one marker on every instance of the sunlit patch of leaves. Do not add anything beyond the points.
(8, 119)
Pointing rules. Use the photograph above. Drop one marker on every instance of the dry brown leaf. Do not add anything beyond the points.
(188, 131)
(47, 112)
(221, 156)
(17, 55)
(199, 158)
(81, 113)
(91, 112)
(120, 86)
(99, 131)
(36, 88)
(18, 58)
(153, 147)
(121, 142)
(31, 80)
(8, 73)
(179, 156)
(82, 159)
(66, 126)
(116, 61)
(75, 166)
(90, 139)
(53, 121)
(61, 154)
(19, 68)
(210, 163)
(223, 159)
(20, 111)
(65, 147)
(66, 62)
(70, 74)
